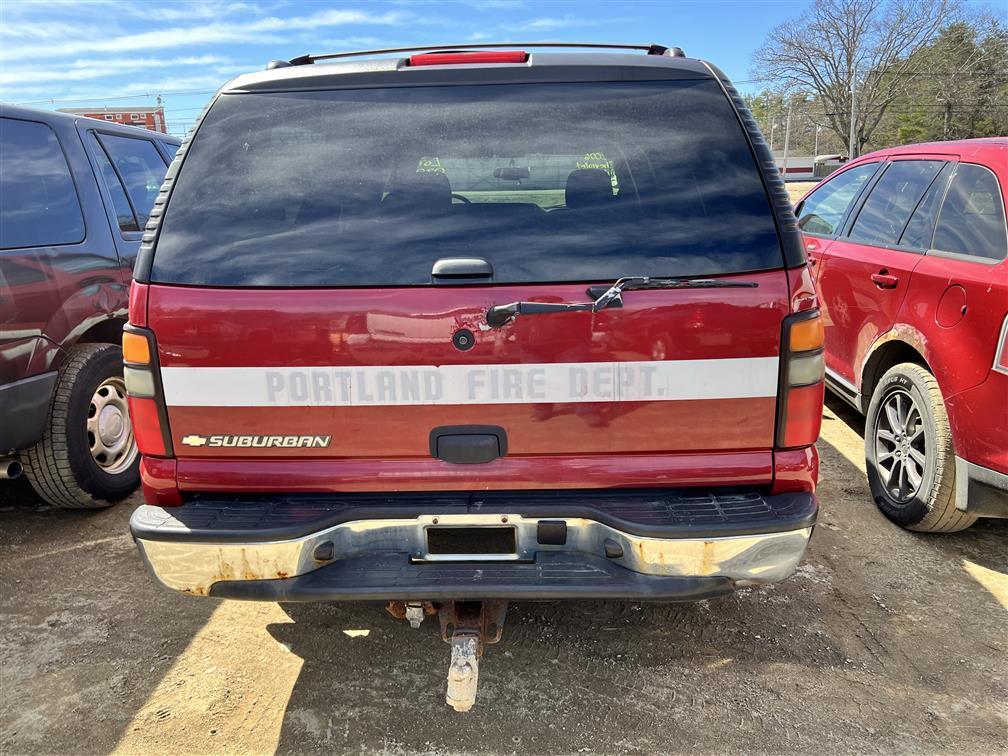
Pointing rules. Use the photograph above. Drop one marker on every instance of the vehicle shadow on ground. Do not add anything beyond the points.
(835, 654)
(84, 626)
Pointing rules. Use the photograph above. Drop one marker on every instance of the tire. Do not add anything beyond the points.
(909, 454)
(62, 467)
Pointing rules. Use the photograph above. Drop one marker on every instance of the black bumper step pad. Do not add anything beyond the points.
(554, 575)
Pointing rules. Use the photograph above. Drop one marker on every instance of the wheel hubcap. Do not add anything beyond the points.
(110, 435)
(900, 446)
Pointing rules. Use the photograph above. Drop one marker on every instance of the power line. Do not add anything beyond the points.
(135, 95)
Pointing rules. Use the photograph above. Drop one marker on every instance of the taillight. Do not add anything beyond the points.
(799, 408)
(1001, 353)
(143, 390)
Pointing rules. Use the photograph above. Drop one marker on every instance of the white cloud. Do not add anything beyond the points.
(47, 30)
(567, 21)
(348, 43)
(260, 29)
(138, 90)
(555, 23)
(193, 10)
(84, 70)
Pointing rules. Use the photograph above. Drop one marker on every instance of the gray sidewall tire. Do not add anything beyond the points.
(932, 507)
(60, 466)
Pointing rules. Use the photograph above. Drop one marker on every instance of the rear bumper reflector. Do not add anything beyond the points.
(234, 551)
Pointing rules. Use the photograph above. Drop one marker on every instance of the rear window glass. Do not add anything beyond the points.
(547, 182)
(141, 167)
(972, 220)
(892, 200)
(920, 229)
(38, 201)
(120, 203)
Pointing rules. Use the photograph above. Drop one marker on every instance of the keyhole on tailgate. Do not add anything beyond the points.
(463, 339)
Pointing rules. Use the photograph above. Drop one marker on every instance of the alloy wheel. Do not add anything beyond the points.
(900, 446)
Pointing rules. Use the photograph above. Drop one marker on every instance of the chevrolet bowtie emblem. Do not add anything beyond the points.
(194, 440)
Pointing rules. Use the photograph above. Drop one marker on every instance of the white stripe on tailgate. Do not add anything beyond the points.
(372, 386)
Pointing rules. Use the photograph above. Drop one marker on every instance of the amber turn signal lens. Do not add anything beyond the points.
(136, 348)
(807, 335)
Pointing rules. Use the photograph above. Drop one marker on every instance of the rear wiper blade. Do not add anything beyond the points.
(501, 315)
(614, 293)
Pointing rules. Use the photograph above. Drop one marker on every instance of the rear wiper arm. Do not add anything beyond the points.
(501, 315)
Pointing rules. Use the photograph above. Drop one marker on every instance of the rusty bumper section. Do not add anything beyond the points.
(454, 552)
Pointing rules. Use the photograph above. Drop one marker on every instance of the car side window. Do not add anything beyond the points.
(823, 210)
(120, 202)
(141, 167)
(40, 206)
(920, 229)
(972, 217)
(892, 200)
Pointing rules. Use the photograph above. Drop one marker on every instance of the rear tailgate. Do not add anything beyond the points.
(340, 389)
(307, 344)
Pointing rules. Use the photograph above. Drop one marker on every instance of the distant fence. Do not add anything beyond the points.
(807, 167)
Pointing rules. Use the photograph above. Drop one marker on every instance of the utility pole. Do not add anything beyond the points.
(851, 146)
(815, 152)
(159, 119)
(787, 141)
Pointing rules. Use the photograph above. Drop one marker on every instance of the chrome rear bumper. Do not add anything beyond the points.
(604, 555)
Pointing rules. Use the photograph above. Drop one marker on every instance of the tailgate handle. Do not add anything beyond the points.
(461, 270)
(468, 444)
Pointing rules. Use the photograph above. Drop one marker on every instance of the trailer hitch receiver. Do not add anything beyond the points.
(465, 625)
(468, 626)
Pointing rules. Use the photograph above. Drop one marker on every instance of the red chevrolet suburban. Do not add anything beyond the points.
(452, 328)
(910, 253)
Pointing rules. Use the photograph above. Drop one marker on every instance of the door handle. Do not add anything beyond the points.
(883, 280)
(461, 270)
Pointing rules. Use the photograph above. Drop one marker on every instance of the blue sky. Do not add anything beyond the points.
(117, 53)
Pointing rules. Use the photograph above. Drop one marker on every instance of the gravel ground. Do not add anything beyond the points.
(884, 640)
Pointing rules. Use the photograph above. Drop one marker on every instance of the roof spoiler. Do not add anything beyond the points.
(303, 60)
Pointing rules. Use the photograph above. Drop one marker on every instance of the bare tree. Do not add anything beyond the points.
(867, 46)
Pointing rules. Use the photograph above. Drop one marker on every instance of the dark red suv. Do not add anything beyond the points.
(74, 196)
(467, 327)
(909, 248)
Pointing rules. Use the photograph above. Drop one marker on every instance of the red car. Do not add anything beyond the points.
(908, 248)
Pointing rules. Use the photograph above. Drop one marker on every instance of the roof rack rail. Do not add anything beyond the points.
(303, 60)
